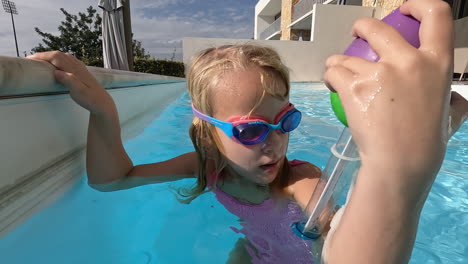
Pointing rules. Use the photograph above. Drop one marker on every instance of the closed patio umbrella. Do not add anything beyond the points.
(113, 35)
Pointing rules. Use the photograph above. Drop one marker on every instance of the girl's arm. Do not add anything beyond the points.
(178, 168)
(398, 111)
(109, 168)
(108, 165)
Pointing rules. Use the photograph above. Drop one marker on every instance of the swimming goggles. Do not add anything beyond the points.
(255, 130)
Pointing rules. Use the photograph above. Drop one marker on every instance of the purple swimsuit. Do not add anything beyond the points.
(268, 228)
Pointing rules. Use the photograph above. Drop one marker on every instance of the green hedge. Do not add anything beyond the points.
(162, 67)
(93, 62)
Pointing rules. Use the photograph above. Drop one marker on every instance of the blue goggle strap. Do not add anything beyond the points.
(225, 126)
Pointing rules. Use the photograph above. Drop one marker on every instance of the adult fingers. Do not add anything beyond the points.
(338, 79)
(386, 41)
(354, 64)
(436, 30)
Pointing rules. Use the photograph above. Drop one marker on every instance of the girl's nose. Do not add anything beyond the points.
(266, 147)
(272, 141)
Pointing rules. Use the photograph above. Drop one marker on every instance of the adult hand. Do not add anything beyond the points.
(398, 107)
(398, 111)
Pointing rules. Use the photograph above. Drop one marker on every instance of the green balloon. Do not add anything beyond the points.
(338, 108)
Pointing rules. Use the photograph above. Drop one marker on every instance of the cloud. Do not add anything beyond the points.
(34, 13)
(158, 3)
(169, 28)
(159, 24)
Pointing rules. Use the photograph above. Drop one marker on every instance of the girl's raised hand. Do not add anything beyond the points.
(84, 88)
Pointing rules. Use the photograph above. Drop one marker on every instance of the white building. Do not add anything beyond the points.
(288, 19)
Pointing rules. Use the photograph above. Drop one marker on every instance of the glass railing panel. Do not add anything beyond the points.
(272, 28)
(302, 7)
(305, 6)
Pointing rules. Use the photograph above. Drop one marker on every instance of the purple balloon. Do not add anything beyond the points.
(406, 25)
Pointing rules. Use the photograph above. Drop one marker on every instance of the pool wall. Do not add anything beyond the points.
(43, 135)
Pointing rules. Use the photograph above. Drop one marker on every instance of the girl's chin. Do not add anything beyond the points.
(266, 178)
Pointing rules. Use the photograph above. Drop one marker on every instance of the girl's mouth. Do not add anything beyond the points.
(270, 166)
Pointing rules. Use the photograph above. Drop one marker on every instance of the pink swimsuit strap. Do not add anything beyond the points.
(268, 228)
(296, 162)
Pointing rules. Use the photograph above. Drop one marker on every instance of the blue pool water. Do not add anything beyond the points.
(148, 225)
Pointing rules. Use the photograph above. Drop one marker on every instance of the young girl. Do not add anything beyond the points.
(240, 131)
(243, 117)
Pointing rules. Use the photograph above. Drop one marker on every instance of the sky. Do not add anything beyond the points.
(159, 24)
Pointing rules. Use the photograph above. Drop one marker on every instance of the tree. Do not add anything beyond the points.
(138, 51)
(173, 54)
(80, 35)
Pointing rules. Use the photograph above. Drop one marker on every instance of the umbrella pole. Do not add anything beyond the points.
(128, 33)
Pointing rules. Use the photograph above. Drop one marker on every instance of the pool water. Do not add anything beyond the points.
(148, 225)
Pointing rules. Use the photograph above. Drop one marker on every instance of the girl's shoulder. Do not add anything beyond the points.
(300, 169)
(303, 178)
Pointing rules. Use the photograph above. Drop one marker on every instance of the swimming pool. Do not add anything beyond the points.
(148, 225)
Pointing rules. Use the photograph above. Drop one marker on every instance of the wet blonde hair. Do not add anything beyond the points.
(206, 71)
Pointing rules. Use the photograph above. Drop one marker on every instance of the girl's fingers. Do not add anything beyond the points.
(436, 24)
(354, 64)
(58, 59)
(68, 79)
(386, 41)
(338, 79)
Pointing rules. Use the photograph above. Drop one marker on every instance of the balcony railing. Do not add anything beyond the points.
(305, 6)
(271, 29)
(301, 8)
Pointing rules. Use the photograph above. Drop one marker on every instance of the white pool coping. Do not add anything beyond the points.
(44, 132)
(461, 89)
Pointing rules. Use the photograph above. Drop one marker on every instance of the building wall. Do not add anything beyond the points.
(461, 45)
(461, 60)
(329, 36)
(306, 59)
(387, 6)
(332, 24)
(286, 18)
(265, 11)
(461, 32)
(261, 23)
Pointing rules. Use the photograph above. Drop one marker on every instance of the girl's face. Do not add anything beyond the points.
(236, 95)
